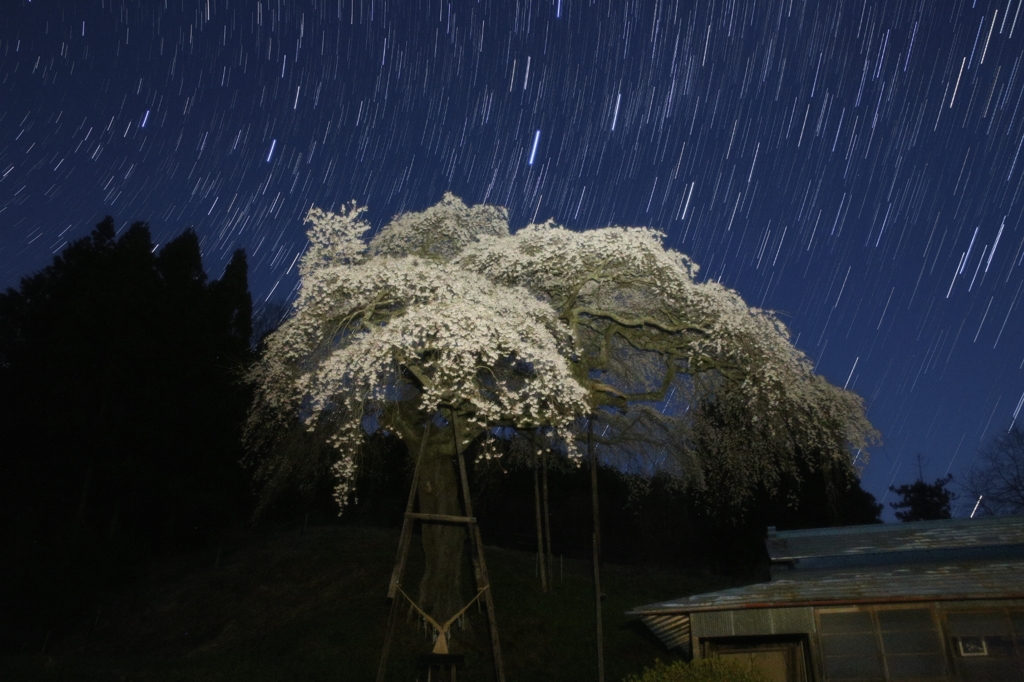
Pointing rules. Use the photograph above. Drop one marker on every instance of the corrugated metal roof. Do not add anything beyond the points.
(921, 582)
(673, 630)
(747, 622)
(788, 546)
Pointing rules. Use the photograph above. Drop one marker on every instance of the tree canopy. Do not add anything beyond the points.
(446, 318)
(389, 336)
(447, 309)
(658, 351)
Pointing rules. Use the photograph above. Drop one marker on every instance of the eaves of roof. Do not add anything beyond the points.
(891, 584)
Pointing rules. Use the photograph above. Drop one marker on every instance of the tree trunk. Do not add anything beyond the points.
(440, 592)
(443, 543)
(596, 548)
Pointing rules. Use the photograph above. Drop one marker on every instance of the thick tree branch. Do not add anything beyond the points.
(626, 321)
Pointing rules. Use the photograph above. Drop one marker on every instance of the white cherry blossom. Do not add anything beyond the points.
(539, 329)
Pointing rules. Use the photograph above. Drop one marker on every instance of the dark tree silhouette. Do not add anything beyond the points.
(654, 520)
(120, 413)
(923, 501)
(997, 477)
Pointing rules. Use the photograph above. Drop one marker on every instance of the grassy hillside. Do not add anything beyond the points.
(311, 607)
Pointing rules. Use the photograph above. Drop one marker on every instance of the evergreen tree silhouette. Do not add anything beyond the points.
(923, 501)
(120, 415)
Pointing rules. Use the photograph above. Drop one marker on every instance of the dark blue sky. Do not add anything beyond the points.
(855, 166)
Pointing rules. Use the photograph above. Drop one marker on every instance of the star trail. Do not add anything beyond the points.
(853, 165)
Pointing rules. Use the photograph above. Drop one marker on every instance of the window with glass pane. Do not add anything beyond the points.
(849, 646)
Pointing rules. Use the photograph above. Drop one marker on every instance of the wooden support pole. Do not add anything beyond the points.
(442, 518)
(547, 520)
(474, 533)
(541, 564)
(499, 667)
(403, 552)
(596, 540)
(403, 543)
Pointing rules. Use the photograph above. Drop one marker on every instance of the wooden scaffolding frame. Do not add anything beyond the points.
(483, 582)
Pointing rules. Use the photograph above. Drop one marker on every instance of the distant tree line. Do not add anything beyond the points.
(653, 521)
(643, 521)
(119, 417)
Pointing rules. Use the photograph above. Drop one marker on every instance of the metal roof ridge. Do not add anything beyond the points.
(872, 528)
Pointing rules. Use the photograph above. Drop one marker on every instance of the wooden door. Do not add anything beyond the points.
(778, 660)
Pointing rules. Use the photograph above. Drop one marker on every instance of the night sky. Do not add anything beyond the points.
(855, 166)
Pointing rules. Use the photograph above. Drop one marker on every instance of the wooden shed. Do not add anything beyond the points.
(930, 600)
